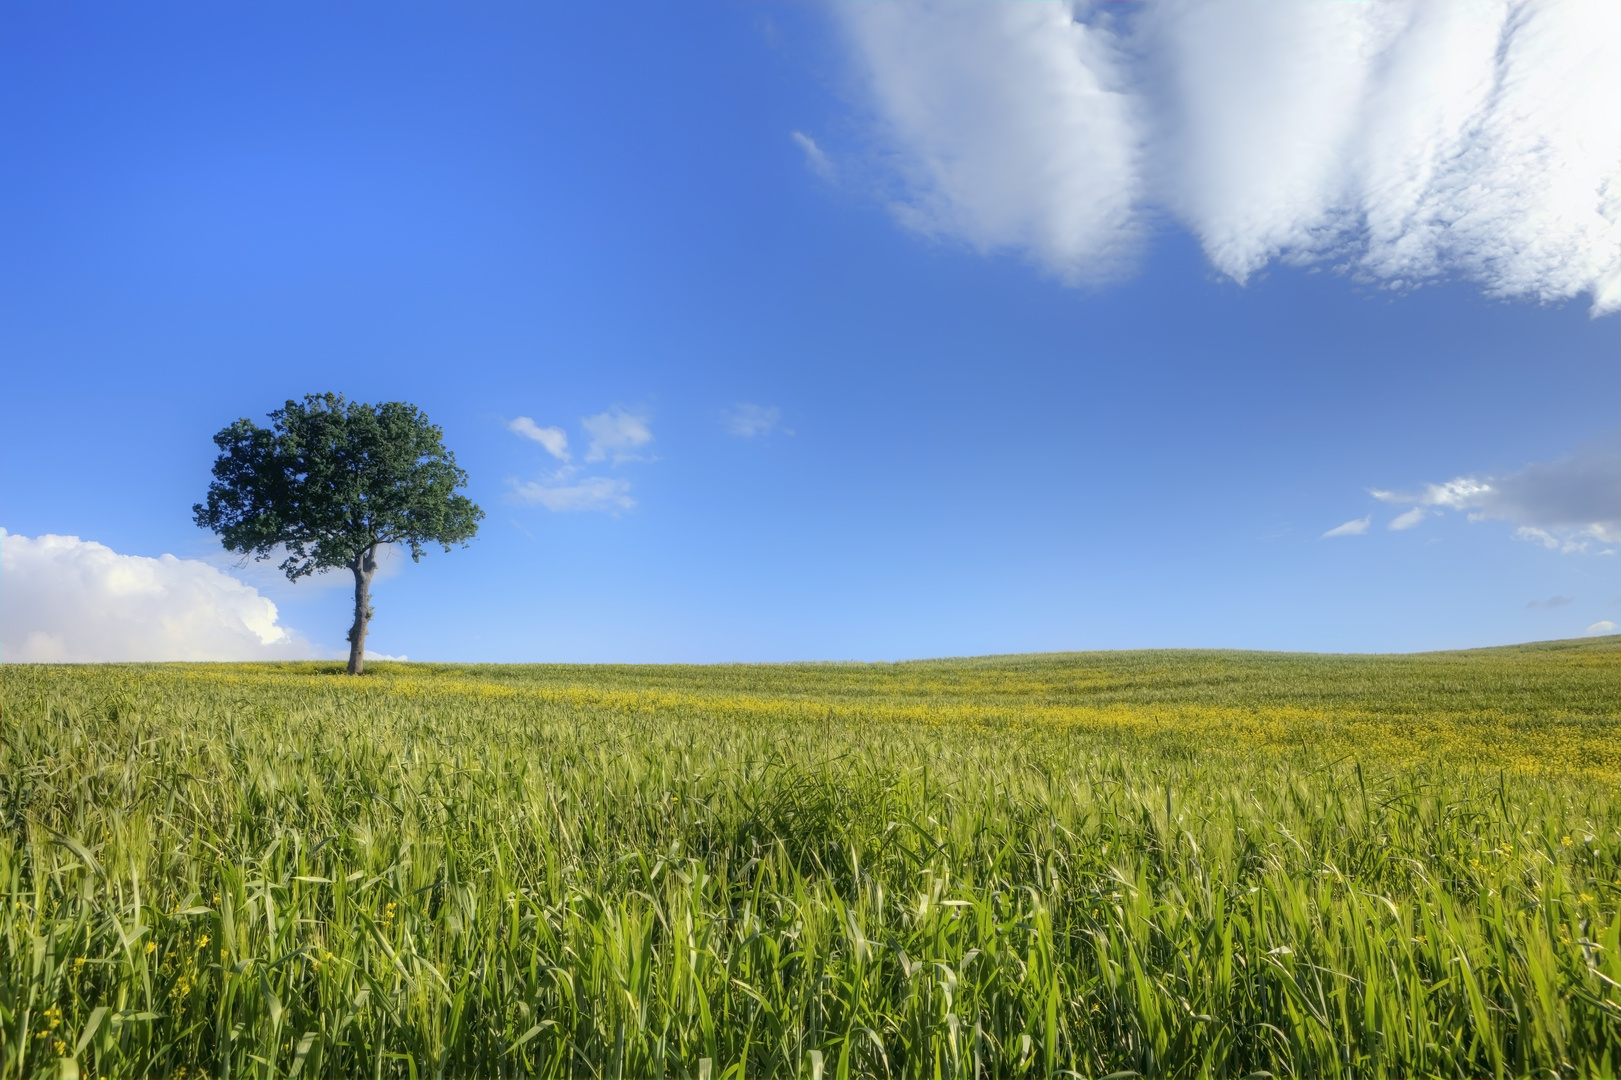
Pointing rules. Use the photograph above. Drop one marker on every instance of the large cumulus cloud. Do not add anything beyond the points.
(74, 600)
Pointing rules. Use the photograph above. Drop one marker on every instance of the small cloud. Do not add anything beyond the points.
(816, 158)
(1350, 528)
(616, 434)
(1551, 603)
(1407, 520)
(1603, 626)
(1569, 542)
(555, 440)
(1459, 494)
(747, 421)
(562, 494)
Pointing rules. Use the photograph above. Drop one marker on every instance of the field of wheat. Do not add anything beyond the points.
(1149, 863)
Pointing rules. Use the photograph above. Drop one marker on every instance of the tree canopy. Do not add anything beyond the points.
(329, 482)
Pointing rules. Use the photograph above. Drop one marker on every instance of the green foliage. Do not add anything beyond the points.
(942, 869)
(331, 479)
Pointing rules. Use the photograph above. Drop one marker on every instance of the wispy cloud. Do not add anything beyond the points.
(616, 434)
(1567, 541)
(78, 601)
(555, 440)
(1405, 142)
(1407, 520)
(1459, 494)
(1355, 527)
(815, 158)
(569, 494)
(1551, 603)
(748, 421)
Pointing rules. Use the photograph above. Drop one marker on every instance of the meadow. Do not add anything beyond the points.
(1101, 864)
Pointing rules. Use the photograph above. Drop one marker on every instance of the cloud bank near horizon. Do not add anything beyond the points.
(77, 601)
(1404, 142)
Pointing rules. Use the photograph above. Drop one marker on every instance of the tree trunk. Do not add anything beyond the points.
(364, 566)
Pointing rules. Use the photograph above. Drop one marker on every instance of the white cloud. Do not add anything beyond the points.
(815, 158)
(563, 493)
(1354, 527)
(1405, 141)
(1603, 626)
(1565, 505)
(1568, 542)
(616, 434)
(1407, 520)
(74, 600)
(747, 421)
(1456, 494)
(555, 440)
(1010, 126)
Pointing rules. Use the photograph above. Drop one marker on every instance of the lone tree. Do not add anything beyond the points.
(329, 482)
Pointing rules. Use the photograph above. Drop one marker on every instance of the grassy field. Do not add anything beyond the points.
(1155, 863)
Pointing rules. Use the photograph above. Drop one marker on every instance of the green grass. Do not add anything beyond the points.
(1164, 863)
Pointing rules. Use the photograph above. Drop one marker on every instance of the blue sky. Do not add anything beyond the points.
(866, 342)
